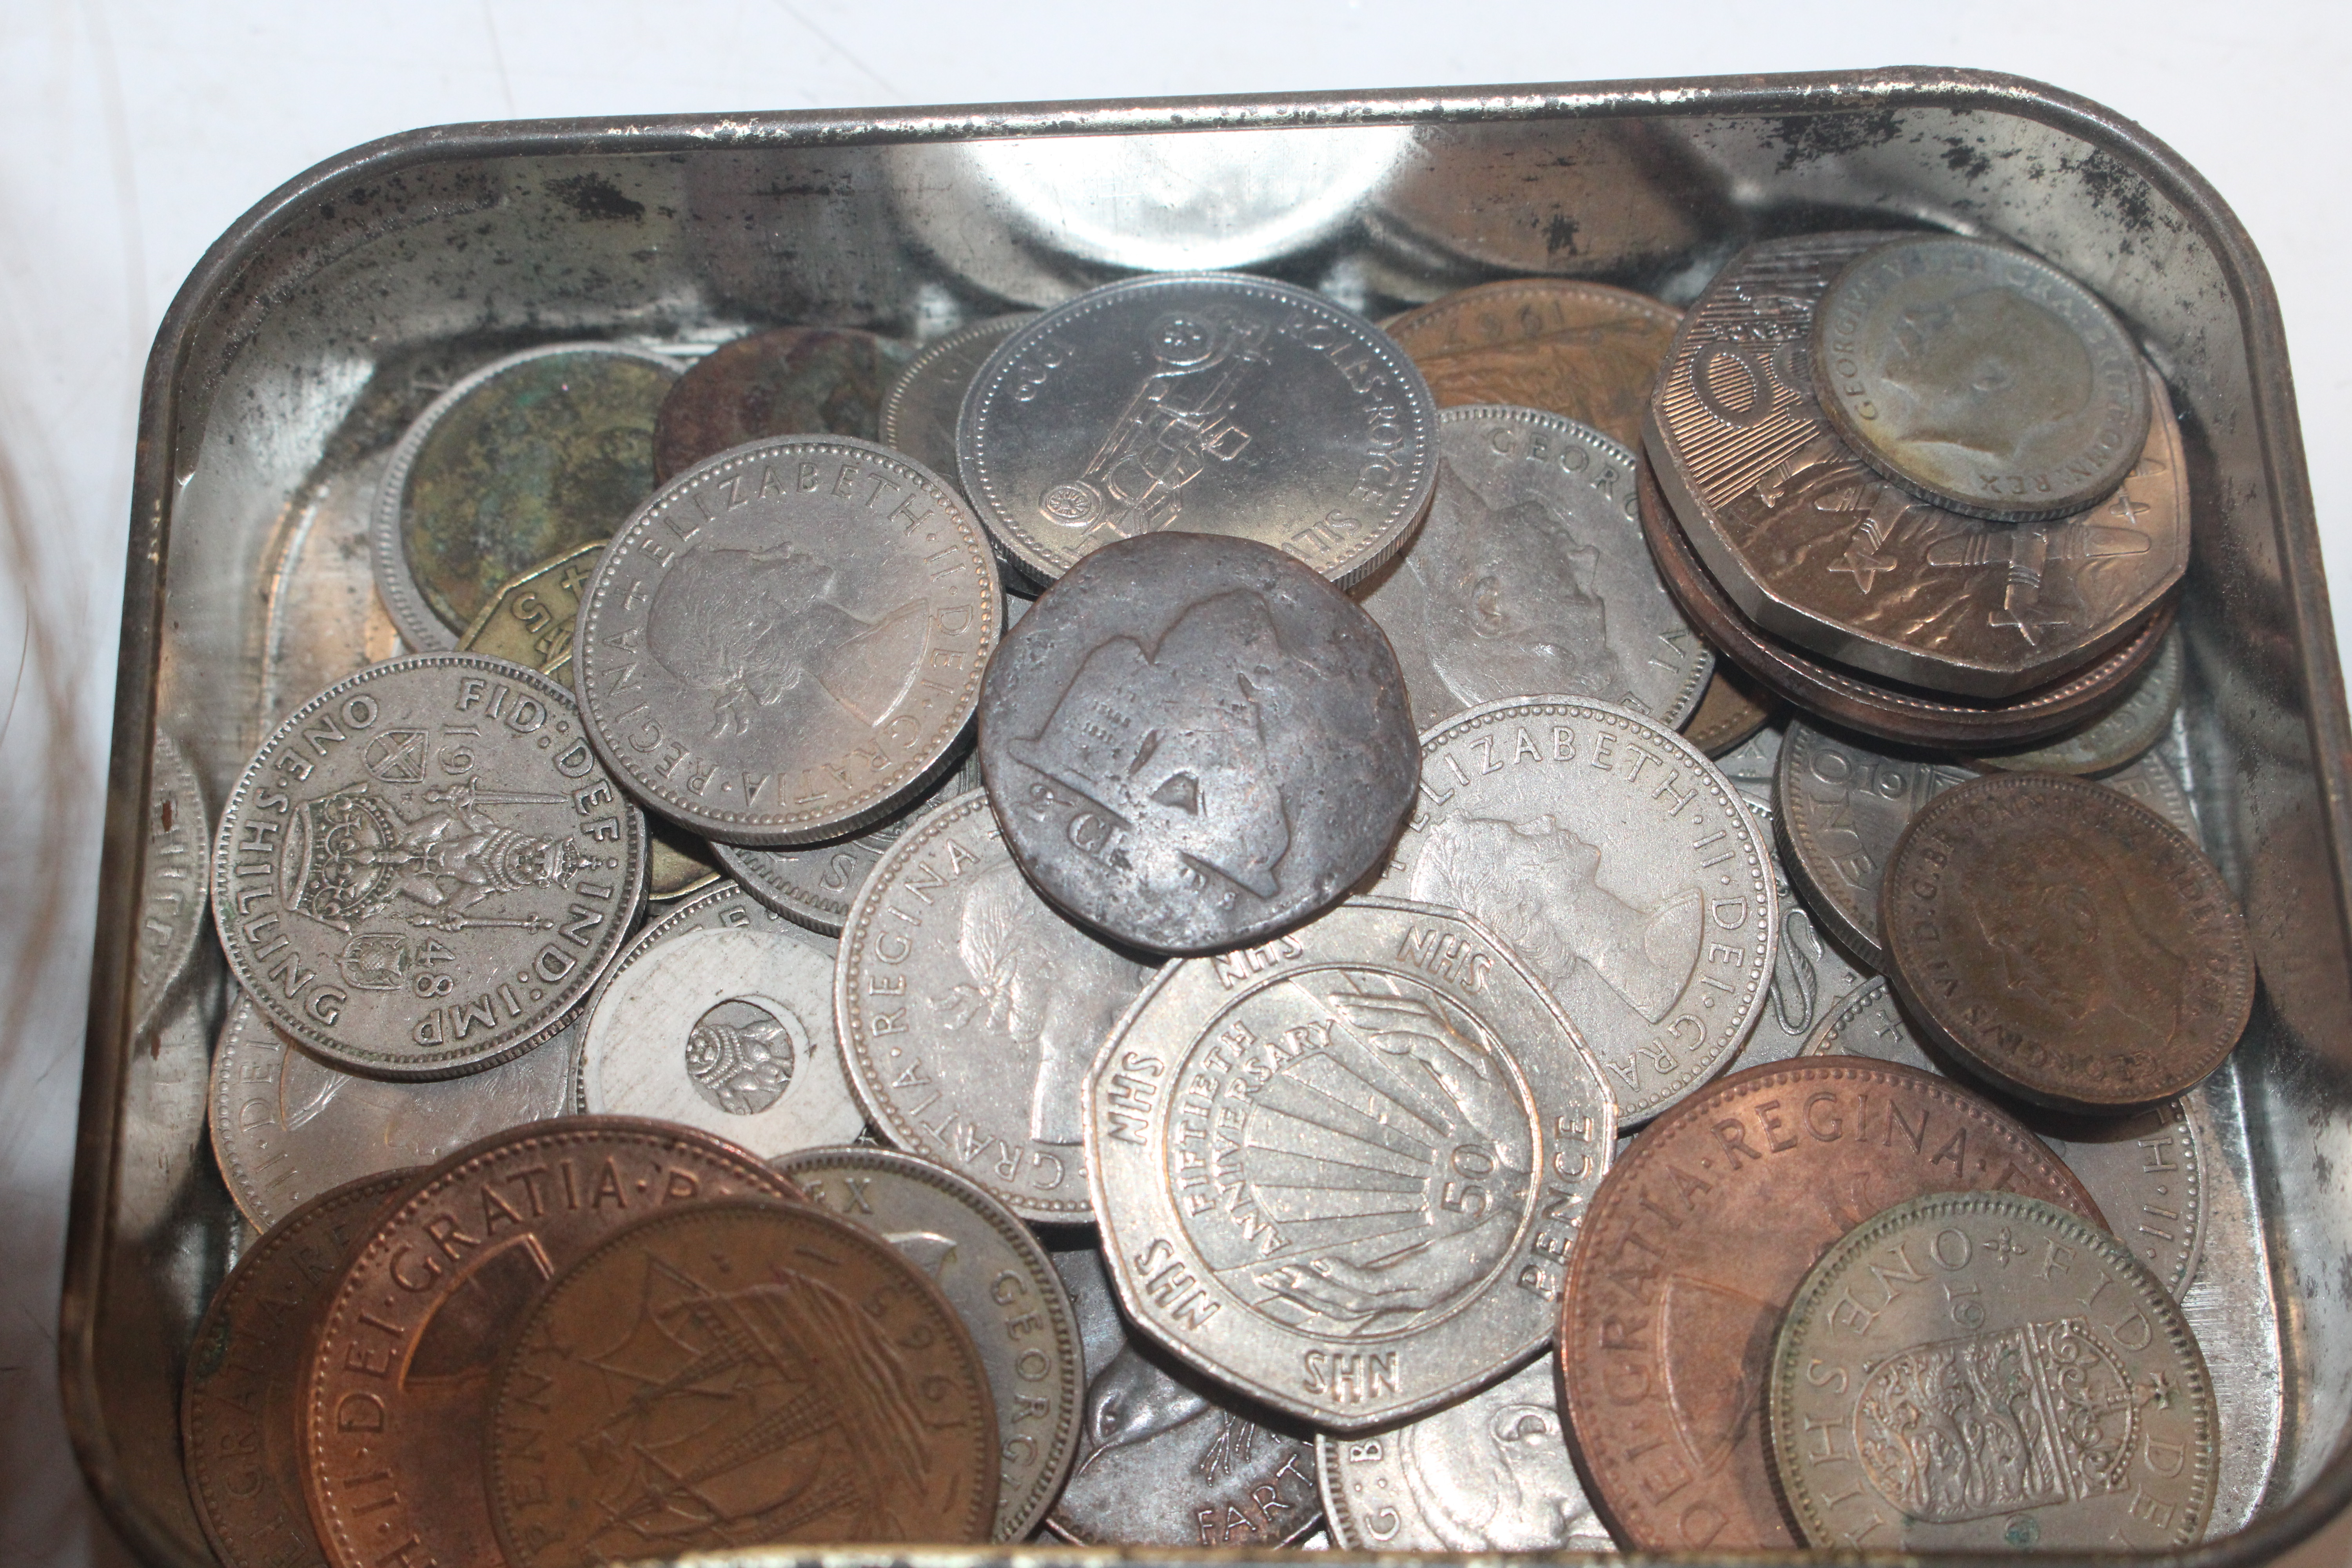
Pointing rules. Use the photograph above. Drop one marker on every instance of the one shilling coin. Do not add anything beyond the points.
(791, 381)
(919, 412)
(177, 880)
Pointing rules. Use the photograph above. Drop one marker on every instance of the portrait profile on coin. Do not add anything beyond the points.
(1496, 1477)
(1983, 372)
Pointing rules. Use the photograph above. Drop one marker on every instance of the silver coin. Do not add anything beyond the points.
(1490, 1474)
(1620, 865)
(815, 884)
(970, 1011)
(2137, 720)
(787, 642)
(2149, 780)
(287, 1127)
(1810, 974)
(176, 886)
(919, 412)
(2147, 1171)
(1342, 1172)
(1167, 1458)
(729, 1031)
(1206, 400)
(1529, 574)
(1753, 764)
(424, 871)
(1000, 1283)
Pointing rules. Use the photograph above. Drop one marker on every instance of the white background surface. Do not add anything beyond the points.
(135, 132)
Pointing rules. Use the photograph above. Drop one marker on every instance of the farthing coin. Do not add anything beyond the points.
(530, 618)
(527, 459)
(1529, 574)
(1982, 1371)
(1343, 1172)
(2065, 942)
(1980, 377)
(919, 412)
(1731, 711)
(791, 381)
(1490, 1474)
(1810, 975)
(2147, 1171)
(2137, 720)
(1206, 400)
(1841, 803)
(1000, 1283)
(1696, 1241)
(784, 643)
(175, 880)
(815, 884)
(1194, 742)
(1619, 864)
(426, 869)
(969, 1012)
(287, 1127)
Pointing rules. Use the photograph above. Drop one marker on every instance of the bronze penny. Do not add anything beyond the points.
(1696, 1241)
(239, 1410)
(1734, 706)
(396, 1394)
(2065, 942)
(794, 381)
(735, 1374)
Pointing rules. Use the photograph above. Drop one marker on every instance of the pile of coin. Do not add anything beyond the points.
(1158, 923)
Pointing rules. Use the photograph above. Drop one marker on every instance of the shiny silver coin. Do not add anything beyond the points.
(1342, 1172)
(1490, 1474)
(1981, 377)
(2116, 738)
(1620, 865)
(1810, 974)
(1195, 742)
(1001, 1284)
(785, 643)
(1752, 764)
(175, 884)
(426, 869)
(919, 412)
(969, 1011)
(815, 884)
(1530, 574)
(1208, 402)
(1166, 1456)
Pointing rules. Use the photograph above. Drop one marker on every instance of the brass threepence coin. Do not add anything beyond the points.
(426, 869)
(1697, 1242)
(1734, 706)
(1207, 400)
(524, 460)
(1811, 974)
(1981, 377)
(2137, 720)
(1985, 1371)
(2065, 944)
(784, 644)
(1529, 575)
(677, 862)
(1000, 1283)
(175, 880)
(919, 412)
(791, 381)
(396, 1397)
(1343, 1173)
(530, 619)
(815, 884)
(240, 1408)
(1195, 742)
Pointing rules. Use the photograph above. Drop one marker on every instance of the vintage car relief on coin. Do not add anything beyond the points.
(1529, 574)
(1207, 400)
(739, 1374)
(1000, 1283)
(815, 884)
(791, 381)
(1732, 708)
(1820, 549)
(396, 1394)
(526, 459)
(1810, 974)
(1167, 1456)
(1618, 865)
(1195, 742)
(2065, 942)
(287, 1127)
(1980, 377)
(919, 412)
(425, 867)
(240, 1408)
(1490, 1474)
(1343, 1172)
(1693, 1248)
(969, 1012)
(784, 643)
(176, 884)
(2137, 720)
(1985, 1371)
(2146, 1170)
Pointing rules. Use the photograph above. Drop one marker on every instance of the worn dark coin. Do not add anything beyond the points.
(815, 884)
(1732, 708)
(2137, 720)
(175, 880)
(1696, 1243)
(2065, 944)
(791, 381)
(919, 412)
(1194, 742)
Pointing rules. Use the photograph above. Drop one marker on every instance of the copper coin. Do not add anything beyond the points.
(396, 1395)
(735, 1374)
(2065, 942)
(1694, 1246)
(794, 381)
(240, 1407)
(1734, 706)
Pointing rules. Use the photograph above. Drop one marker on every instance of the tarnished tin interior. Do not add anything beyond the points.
(314, 329)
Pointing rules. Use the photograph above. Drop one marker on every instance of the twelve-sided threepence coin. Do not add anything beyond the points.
(1619, 864)
(1343, 1172)
(425, 867)
(1530, 574)
(1209, 402)
(787, 642)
